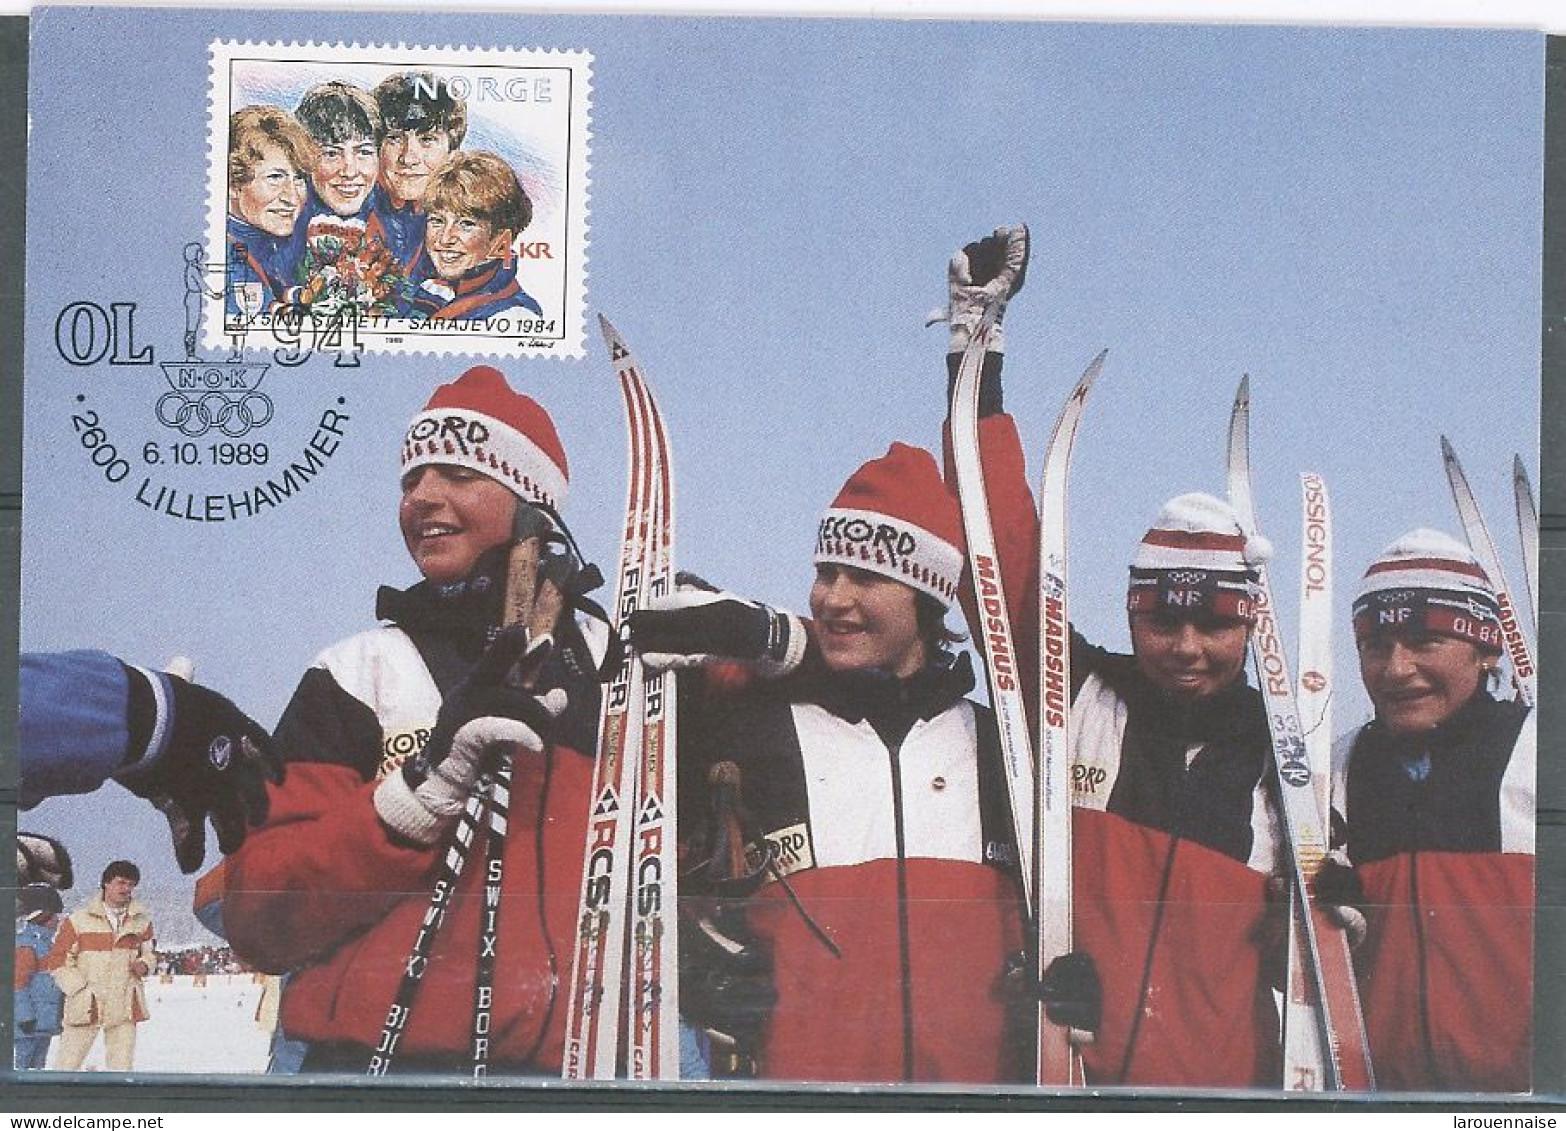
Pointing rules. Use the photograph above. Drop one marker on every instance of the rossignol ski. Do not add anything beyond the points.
(1303, 1059)
(1058, 1061)
(1345, 1051)
(625, 964)
(1524, 674)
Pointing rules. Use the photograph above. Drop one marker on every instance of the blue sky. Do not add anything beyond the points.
(1352, 217)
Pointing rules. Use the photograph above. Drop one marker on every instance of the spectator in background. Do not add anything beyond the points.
(39, 1002)
(99, 958)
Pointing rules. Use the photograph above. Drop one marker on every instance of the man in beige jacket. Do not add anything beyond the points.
(100, 956)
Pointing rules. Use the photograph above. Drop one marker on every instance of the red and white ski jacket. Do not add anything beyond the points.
(1174, 837)
(885, 803)
(324, 890)
(1441, 833)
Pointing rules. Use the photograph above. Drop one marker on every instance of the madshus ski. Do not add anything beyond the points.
(1058, 1061)
(1524, 672)
(994, 628)
(1303, 1044)
(628, 875)
(1040, 805)
(1324, 946)
(1528, 534)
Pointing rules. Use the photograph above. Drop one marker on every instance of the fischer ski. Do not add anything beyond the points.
(1058, 1061)
(625, 966)
(653, 974)
(592, 1034)
(1524, 674)
(1345, 1049)
(1528, 534)
(1304, 1064)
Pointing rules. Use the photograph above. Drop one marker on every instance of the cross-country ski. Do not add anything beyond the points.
(1527, 535)
(1058, 1061)
(1521, 652)
(1346, 1056)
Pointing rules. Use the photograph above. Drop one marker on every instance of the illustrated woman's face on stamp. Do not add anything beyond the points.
(346, 174)
(458, 243)
(410, 159)
(273, 196)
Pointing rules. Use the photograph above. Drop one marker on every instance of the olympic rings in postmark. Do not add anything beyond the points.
(396, 199)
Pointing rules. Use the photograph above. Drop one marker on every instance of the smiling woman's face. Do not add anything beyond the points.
(1189, 657)
(1418, 680)
(273, 197)
(458, 243)
(865, 620)
(449, 516)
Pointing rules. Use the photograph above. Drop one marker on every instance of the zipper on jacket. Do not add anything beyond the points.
(904, 957)
(1147, 963)
(1176, 834)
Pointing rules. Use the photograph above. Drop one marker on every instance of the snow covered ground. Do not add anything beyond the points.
(206, 1029)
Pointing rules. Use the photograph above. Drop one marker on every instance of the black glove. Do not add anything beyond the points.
(488, 710)
(726, 984)
(215, 762)
(42, 860)
(698, 624)
(1072, 993)
(1341, 895)
(29, 1026)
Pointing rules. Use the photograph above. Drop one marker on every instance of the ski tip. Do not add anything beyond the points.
(1090, 374)
(1519, 469)
(1244, 391)
(606, 327)
(1448, 452)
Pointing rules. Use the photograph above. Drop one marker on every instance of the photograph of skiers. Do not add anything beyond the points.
(86, 718)
(882, 781)
(425, 123)
(1310, 255)
(270, 157)
(474, 211)
(1438, 796)
(384, 740)
(99, 957)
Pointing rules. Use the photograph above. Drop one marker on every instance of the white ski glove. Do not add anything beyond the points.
(482, 715)
(698, 625)
(990, 270)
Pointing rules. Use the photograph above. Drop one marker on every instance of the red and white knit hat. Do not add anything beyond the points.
(895, 517)
(1429, 582)
(479, 422)
(1197, 558)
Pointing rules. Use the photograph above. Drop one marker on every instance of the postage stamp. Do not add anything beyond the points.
(397, 199)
